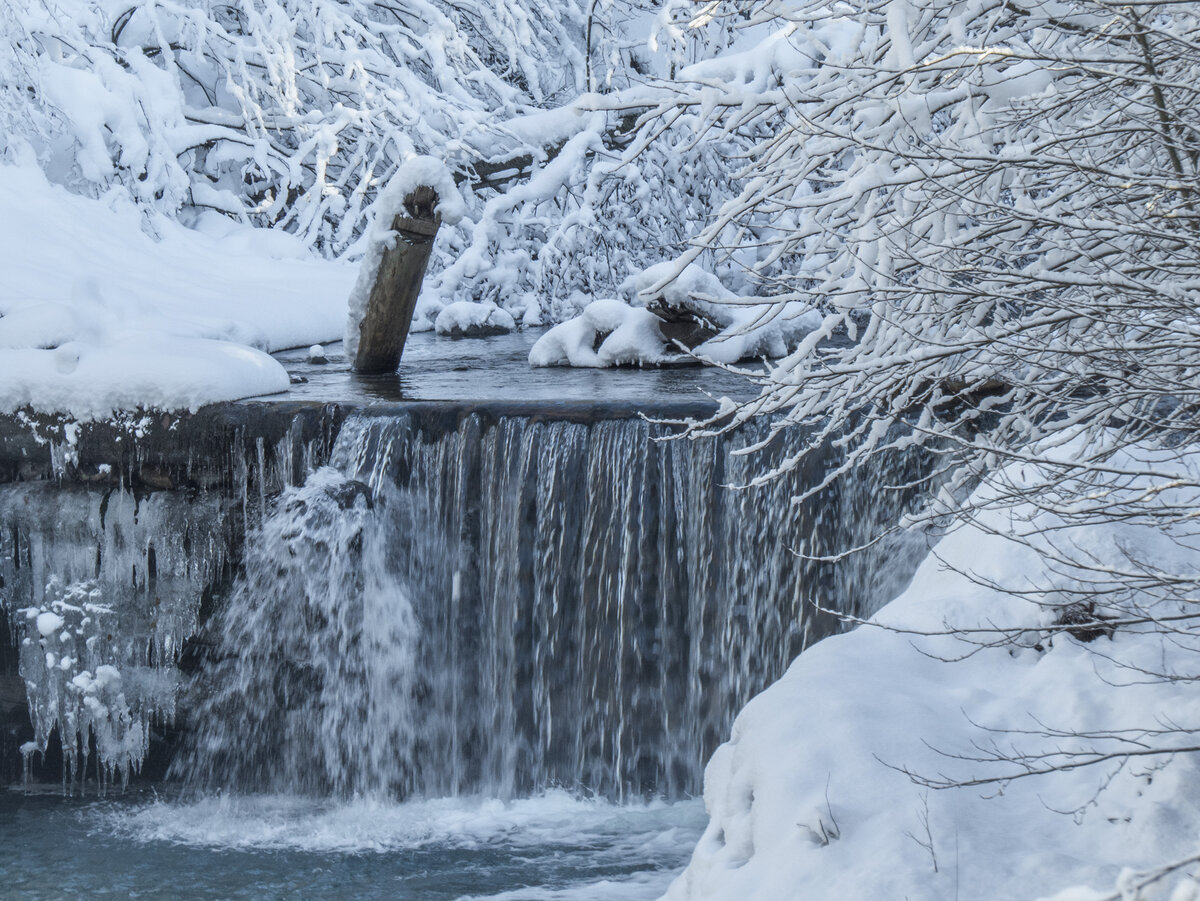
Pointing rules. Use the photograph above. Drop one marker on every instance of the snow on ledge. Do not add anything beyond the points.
(92, 381)
(97, 316)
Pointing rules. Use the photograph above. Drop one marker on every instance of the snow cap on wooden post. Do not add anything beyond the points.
(419, 198)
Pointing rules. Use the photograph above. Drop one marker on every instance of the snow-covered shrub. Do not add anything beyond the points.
(281, 112)
(294, 115)
(996, 207)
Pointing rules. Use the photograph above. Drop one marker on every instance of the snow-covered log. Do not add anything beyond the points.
(408, 216)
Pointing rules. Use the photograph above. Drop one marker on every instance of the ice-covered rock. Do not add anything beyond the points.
(316, 355)
(465, 319)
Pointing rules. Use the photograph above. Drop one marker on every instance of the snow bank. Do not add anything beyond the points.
(807, 799)
(420, 171)
(89, 380)
(96, 315)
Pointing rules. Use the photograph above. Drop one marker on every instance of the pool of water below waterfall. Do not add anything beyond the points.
(142, 845)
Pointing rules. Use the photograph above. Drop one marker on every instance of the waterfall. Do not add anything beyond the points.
(499, 605)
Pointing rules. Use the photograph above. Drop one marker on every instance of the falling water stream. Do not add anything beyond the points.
(471, 656)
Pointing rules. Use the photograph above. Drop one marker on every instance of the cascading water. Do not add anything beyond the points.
(497, 606)
(318, 690)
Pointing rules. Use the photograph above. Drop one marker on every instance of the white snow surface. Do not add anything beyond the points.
(97, 315)
(632, 337)
(614, 333)
(464, 318)
(751, 327)
(421, 172)
(807, 800)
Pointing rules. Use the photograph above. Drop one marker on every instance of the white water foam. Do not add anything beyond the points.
(648, 831)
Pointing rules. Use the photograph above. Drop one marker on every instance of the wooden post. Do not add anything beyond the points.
(393, 297)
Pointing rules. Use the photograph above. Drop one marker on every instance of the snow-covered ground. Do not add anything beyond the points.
(810, 798)
(97, 314)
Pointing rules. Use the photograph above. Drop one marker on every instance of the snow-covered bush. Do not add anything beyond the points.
(1002, 226)
(280, 112)
(293, 115)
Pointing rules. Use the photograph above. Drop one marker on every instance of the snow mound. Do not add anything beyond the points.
(693, 312)
(421, 172)
(92, 380)
(607, 333)
(690, 311)
(465, 319)
(811, 791)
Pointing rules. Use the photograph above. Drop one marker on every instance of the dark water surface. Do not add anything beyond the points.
(497, 369)
(549, 847)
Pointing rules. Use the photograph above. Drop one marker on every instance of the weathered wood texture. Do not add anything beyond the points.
(393, 298)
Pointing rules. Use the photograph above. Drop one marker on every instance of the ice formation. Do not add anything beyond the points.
(102, 588)
(66, 654)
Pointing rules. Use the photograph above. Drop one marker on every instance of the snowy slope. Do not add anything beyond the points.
(95, 314)
(807, 799)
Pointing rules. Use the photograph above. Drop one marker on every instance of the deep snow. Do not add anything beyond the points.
(809, 799)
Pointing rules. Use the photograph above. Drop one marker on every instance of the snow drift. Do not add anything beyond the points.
(828, 787)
